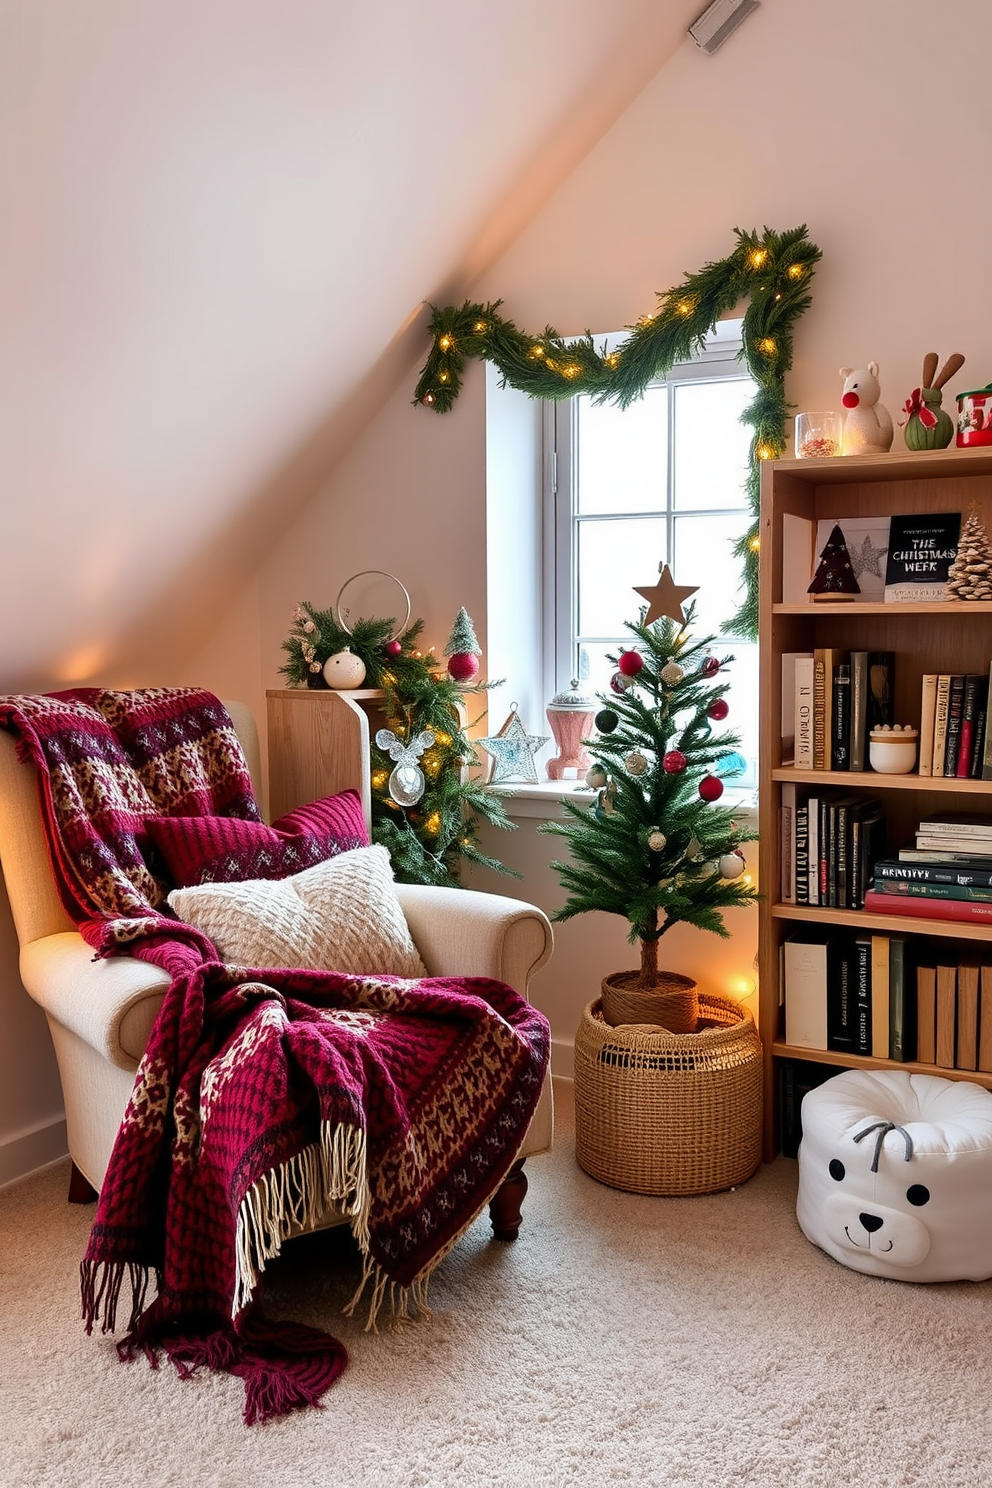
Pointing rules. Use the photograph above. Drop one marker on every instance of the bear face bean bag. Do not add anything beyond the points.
(895, 1175)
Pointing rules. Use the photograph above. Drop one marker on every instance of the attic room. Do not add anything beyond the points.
(227, 226)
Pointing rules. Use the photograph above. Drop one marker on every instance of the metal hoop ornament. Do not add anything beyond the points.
(343, 615)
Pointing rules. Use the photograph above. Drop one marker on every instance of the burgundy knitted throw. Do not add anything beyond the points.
(263, 1096)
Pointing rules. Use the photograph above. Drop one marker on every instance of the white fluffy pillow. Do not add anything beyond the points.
(342, 915)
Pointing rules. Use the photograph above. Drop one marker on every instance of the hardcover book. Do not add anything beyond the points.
(967, 1015)
(928, 704)
(859, 708)
(955, 702)
(921, 550)
(902, 1001)
(803, 711)
(926, 1014)
(941, 700)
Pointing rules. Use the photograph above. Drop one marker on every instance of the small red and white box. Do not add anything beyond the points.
(975, 417)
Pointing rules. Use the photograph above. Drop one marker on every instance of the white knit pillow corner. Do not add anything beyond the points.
(341, 915)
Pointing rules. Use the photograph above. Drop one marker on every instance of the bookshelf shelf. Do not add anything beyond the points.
(949, 636)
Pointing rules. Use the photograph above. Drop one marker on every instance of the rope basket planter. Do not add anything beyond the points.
(673, 1001)
(664, 1113)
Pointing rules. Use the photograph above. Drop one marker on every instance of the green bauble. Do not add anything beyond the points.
(918, 437)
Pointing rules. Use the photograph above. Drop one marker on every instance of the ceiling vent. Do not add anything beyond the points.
(711, 29)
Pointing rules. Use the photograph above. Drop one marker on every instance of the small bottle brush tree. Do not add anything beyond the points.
(654, 847)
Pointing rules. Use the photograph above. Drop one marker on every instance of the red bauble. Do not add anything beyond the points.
(711, 787)
(393, 648)
(630, 663)
(674, 762)
(462, 666)
(719, 709)
(710, 666)
(619, 683)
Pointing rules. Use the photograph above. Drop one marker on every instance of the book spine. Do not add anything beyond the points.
(966, 1052)
(969, 712)
(985, 1021)
(803, 754)
(987, 752)
(842, 829)
(933, 873)
(978, 742)
(802, 852)
(902, 1003)
(819, 710)
(955, 702)
(928, 909)
(927, 705)
(805, 993)
(787, 842)
(840, 749)
(813, 825)
(932, 856)
(940, 723)
(903, 888)
(971, 847)
(840, 998)
(947, 997)
(926, 1014)
(880, 996)
(862, 995)
(859, 708)
(824, 864)
(938, 826)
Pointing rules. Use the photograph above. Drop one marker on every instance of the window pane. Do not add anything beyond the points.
(711, 444)
(612, 558)
(621, 454)
(704, 556)
(594, 670)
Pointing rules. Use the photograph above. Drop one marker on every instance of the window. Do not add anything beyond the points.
(662, 481)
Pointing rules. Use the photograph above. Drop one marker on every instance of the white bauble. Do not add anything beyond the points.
(344, 670)
(657, 841)
(636, 763)
(731, 865)
(596, 777)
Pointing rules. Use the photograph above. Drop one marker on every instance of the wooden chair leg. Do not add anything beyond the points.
(81, 1190)
(504, 1206)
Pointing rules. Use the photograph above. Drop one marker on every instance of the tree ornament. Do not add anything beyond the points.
(630, 663)
(636, 763)
(619, 683)
(606, 720)
(674, 762)
(711, 788)
(596, 776)
(393, 648)
(406, 783)
(344, 671)
(570, 714)
(970, 575)
(671, 674)
(665, 597)
(463, 666)
(463, 649)
(718, 709)
(834, 579)
(732, 865)
(710, 666)
(657, 841)
(513, 751)
(867, 422)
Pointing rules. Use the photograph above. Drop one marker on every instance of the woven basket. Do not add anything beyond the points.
(673, 1001)
(664, 1113)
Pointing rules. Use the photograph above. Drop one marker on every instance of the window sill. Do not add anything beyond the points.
(542, 801)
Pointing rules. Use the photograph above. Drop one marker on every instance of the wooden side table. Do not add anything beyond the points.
(319, 744)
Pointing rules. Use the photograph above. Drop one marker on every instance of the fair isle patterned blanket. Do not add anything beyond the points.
(263, 1096)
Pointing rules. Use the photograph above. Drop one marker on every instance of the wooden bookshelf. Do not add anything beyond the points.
(949, 636)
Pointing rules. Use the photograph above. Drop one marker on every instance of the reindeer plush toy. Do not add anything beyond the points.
(867, 424)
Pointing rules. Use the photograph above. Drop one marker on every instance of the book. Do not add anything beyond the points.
(962, 875)
(803, 711)
(879, 950)
(840, 743)
(859, 709)
(841, 1014)
(981, 725)
(881, 689)
(808, 960)
(941, 702)
(838, 813)
(935, 855)
(966, 1054)
(947, 1000)
(813, 847)
(970, 911)
(970, 703)
(868, 836)
(986, 772)
(867, 542)
(802, 849)
(902, 1001)
(900, 888)
(797, 558)
(863, 1013)
(955, 701)
(928, 704)
(824, 661)
(985, 1020)
(787, 844)
(926, 1015)
(966, 845)
(922, 547)
(958, 824)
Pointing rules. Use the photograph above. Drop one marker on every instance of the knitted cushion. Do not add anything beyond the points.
(222, 849)
(341, 915)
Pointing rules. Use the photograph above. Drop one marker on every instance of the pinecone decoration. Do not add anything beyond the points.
(970, 575)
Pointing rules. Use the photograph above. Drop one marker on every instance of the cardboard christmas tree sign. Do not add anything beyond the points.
(834, 579)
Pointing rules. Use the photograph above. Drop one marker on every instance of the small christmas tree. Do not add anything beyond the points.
(655, 848)
(463, 648)
(970, 575)
(834, 579)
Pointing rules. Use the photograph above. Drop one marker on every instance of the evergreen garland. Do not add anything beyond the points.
(428, 841)
(649, 849)
(771, 272)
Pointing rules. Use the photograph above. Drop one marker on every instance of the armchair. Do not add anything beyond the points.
(100, 1013)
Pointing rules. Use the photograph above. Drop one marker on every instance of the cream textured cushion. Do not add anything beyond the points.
(342, 915)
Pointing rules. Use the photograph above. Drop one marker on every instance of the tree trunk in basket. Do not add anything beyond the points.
(649, 963)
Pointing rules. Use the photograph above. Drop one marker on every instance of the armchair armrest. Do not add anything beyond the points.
(465, 932)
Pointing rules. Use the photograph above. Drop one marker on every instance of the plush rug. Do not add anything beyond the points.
(622, 1341)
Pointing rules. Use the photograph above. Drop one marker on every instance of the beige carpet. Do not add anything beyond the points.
(621, 1340)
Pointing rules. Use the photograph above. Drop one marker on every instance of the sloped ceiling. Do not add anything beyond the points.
(222, 220)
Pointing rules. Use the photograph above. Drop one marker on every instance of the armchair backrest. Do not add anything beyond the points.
(34, 901)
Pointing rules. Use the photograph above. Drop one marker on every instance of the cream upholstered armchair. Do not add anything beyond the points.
(100, 1013)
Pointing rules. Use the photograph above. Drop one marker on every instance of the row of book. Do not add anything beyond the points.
(832, 699)
(946, 873)
(954, 740)
(829, 843)
(905, 998)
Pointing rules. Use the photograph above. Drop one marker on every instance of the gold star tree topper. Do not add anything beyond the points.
(665, 597)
